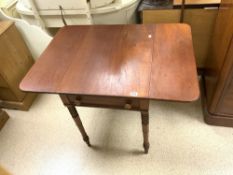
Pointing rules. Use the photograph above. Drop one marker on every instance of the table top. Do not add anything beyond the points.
(142, 61)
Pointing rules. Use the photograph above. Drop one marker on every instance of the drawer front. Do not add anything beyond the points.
(3, 82)
(108, 102)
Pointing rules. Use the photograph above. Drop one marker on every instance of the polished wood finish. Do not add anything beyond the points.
(173, 75)
(145, 130)
(3, 118)
(15, 61)
(202, 30)
(120, 66)
(219, 69)
(128, 61)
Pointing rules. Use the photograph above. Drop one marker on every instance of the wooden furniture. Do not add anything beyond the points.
(3, 118)
(15, 61)
(120, 66)
(199, 14)
(3, 171)
(219, 70)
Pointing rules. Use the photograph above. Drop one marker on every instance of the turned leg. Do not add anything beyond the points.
(145, 130)
(78, 122)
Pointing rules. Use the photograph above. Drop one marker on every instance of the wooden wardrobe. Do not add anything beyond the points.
(218, 77)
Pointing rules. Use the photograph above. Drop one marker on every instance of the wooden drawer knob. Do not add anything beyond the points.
(77, 101)
(128, 106)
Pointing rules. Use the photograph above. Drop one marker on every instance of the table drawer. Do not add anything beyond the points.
(108, 102)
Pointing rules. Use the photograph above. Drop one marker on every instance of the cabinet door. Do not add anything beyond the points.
(225, 103)
(216, 73)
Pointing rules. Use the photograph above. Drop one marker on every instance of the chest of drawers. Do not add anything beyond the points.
(15, 61)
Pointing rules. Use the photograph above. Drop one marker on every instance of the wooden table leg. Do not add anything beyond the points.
(145, 130)
(3, 118)
(75, 117)
(78, 122)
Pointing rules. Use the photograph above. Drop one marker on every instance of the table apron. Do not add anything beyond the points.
(135, 104)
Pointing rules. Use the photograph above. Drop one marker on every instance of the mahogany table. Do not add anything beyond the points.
(118, 66)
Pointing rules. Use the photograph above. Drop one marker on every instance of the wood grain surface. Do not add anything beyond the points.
(141, 61)
(173, 74)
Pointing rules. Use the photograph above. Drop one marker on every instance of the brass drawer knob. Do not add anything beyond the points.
(128, 106)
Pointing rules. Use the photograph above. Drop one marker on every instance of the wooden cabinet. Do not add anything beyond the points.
(218, 106)
(200, 15)
(202, 22)
(161, 16)
(15, 61)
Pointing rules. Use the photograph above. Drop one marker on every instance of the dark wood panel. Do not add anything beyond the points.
(174, 75)
(225, 104)
(215, 82)
(219, 70)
